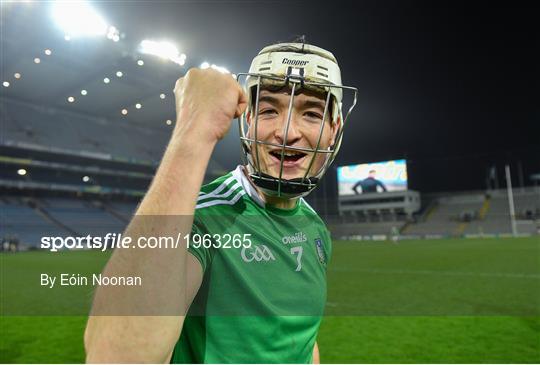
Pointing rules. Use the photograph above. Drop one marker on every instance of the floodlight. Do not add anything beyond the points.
(215, 67)
(165, 50)
(220, 69)
(21, 172)
(78, 18)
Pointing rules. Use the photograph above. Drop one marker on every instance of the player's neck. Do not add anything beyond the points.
(279, 203)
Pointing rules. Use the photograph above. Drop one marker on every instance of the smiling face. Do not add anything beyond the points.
(306, 118)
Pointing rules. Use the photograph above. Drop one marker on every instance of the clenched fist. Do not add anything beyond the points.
(206, 102)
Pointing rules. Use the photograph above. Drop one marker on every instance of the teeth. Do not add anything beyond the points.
(288, 154)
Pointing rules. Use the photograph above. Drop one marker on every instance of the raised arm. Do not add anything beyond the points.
(142, 325)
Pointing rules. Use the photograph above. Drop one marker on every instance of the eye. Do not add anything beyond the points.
(313, 115)
(267, 112)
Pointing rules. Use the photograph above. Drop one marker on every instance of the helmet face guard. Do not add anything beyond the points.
(298, 67)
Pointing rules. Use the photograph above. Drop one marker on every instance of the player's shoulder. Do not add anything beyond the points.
(224, 191)
(308, 210)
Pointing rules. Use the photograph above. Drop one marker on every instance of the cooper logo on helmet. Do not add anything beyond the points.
(300, 63)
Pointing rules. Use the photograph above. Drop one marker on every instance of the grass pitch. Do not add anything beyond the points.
(440, 301)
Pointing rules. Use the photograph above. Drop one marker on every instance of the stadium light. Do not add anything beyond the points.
(78, 18)
(162, 96)
(119, 74)
(124, 111)
(169, 122)
(140, 62)
(138, 106)
(17, 75)
(5, 84)
(70, 99)
(83, 92)
(106, 80)
(48, 52)
(67, 37)
(164, 50)
(86, 178)
(37, 60)
(21, 172)
(221, 69)
(113, 34)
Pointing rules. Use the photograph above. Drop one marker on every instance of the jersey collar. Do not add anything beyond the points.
(240, 175)
(247, 185)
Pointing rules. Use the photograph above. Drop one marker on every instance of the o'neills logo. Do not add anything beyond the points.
(287, 61)
(296, 238)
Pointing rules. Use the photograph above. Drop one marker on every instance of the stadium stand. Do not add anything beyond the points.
(81, 217)
(29, 219)
(78, 132)
(450, 214)
(444, 218)
(497, 216)
(28, 225)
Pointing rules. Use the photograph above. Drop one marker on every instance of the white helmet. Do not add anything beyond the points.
(299, 66)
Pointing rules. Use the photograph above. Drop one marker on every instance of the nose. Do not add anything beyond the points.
(292, 134)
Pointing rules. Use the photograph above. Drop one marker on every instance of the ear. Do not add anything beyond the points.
(334, 127)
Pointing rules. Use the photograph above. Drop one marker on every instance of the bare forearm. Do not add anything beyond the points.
(121, 329)
(179, 178)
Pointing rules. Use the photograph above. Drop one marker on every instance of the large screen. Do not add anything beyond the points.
(373, 177)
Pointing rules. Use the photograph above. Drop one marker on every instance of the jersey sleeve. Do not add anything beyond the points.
(202, 254)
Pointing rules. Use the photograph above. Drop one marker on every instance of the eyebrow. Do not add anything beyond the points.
(307, 104)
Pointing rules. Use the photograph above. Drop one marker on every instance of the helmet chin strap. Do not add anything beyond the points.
(293, 188)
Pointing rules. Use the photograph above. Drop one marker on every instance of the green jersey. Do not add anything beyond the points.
(263, 294)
